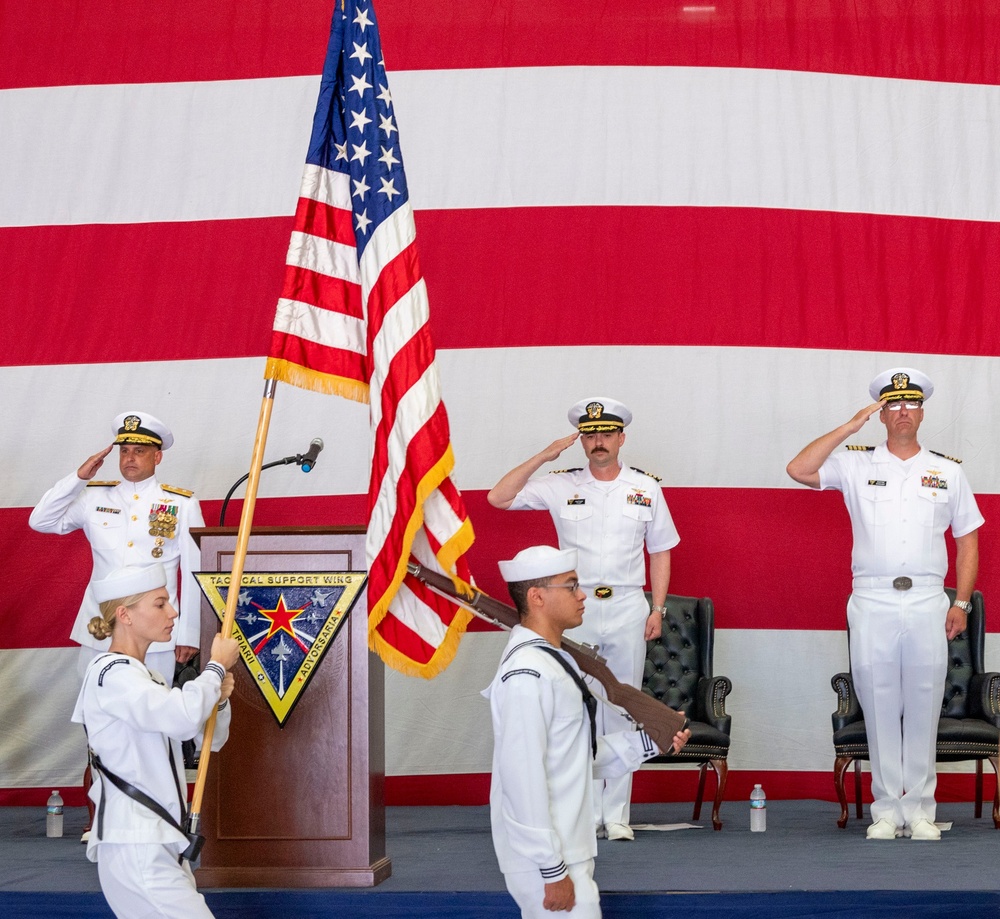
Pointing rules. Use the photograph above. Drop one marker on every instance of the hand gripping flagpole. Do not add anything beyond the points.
(235, 579)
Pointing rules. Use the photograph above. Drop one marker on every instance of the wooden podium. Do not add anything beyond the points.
(302, 805)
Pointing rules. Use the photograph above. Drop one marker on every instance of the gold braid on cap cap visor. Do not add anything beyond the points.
(900, 395)
(135, 438)
(597, 427)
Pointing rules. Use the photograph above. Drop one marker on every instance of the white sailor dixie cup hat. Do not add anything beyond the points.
(900, 383)
(141, 428)
(537, 562)
(126, 582)
(599, 414)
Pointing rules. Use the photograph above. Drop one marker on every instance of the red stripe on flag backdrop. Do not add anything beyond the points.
(754, 277)
(760, 572)
(119, 41)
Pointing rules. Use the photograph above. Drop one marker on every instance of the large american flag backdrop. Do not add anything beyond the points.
(730, 216)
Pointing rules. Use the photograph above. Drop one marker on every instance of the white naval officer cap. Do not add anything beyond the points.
(126, 582)
(141, 428)
(900, 383)
(537, 562)
(599, 414)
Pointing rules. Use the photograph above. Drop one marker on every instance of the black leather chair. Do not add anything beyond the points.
(678, 671)
(970, 716)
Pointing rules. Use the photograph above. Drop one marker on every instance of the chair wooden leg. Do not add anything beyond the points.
(979, 788)
(840, 765)
(996, 792)
(702, 769)
(721, 768)
(858, 809)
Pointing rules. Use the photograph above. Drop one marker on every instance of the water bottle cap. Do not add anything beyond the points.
(757, 785)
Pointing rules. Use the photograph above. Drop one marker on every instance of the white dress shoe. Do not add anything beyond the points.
(86, 836)
(620, 831)
(883, 828)
(922, 828)
(601, 832)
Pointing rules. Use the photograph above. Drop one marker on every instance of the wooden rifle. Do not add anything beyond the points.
(658, 720)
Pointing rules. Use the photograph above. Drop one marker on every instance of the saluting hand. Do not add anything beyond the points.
(553, 450)
(861, 418)
(90, 466)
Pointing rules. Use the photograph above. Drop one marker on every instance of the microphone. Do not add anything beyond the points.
(308, 459)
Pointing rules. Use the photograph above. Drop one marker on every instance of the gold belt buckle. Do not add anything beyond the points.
(603, 592)
(902, 583)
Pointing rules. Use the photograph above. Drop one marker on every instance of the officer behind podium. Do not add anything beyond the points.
(134, 521)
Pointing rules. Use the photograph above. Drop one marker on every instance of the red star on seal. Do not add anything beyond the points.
(281, 621)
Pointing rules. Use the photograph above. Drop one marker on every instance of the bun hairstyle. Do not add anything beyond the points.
(102, 626)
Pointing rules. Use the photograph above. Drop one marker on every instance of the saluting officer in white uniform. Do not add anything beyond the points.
(901, 498)
(134, 522)
(546, 750)
(135, 724)
(609, 513)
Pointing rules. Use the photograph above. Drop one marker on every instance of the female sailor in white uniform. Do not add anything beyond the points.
(135, 725)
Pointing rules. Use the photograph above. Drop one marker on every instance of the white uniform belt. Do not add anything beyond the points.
(901, 583)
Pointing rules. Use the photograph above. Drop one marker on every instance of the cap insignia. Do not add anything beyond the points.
(594, 410)
(132, 423)
(900, 380)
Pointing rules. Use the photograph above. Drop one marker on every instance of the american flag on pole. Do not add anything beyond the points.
(353, 320)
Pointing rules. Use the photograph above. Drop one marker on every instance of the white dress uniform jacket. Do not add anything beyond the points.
(608, 523)
(135, 724)
(900, 510)
(543, 765)
(116, 522)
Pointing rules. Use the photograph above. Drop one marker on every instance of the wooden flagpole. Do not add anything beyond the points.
(242, 541)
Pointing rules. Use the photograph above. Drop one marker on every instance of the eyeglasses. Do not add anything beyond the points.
(572, 585)
(909, 406)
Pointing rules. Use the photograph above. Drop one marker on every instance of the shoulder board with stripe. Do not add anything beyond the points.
(561, 471)
(858, 447)
(655, 478)
(945, 456)
(108, 484)
(174, 490)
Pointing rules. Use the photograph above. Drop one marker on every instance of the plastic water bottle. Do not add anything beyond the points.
(758, 810)
(54, 815)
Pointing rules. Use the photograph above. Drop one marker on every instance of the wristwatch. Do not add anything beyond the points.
(964, 605)
(662, 610)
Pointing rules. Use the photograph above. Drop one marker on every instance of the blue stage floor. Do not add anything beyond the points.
(443, 866)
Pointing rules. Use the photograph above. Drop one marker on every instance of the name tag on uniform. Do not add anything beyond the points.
(876, 482)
